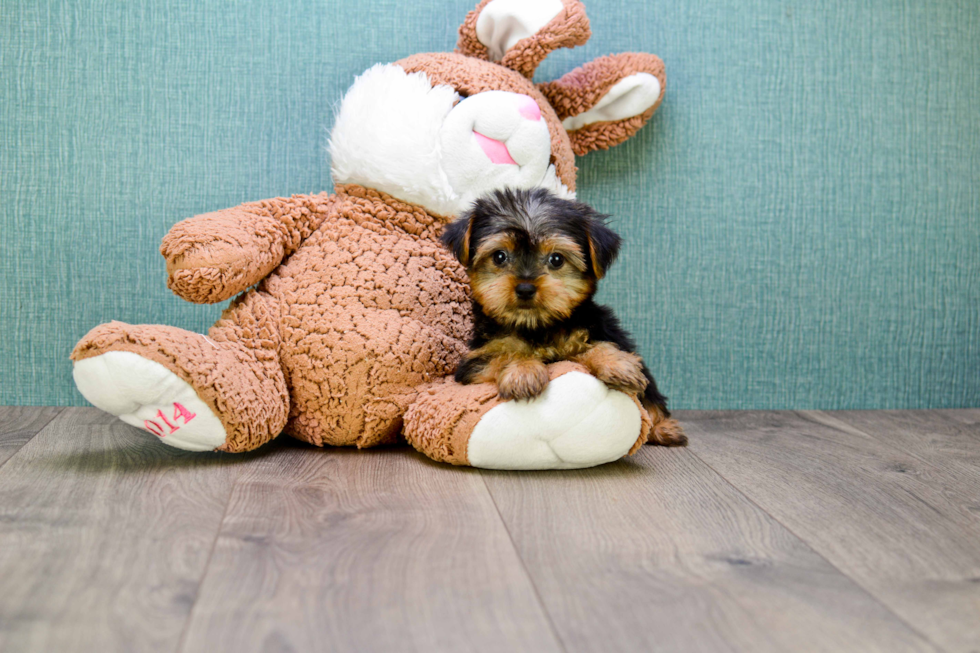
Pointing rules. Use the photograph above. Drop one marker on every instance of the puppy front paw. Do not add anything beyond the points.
(618, 369)
(522, 380)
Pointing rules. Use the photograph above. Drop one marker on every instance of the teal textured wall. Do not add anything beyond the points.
(802, 214)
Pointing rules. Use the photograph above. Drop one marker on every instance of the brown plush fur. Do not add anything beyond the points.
(215, 256)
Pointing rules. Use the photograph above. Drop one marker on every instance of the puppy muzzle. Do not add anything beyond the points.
(525, 290)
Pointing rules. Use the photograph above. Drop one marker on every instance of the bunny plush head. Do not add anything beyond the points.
(440, 129)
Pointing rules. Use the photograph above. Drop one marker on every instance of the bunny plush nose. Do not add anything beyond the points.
(525, 290)
(529, 108)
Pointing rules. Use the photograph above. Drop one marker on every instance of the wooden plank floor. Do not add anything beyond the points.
(773, 531)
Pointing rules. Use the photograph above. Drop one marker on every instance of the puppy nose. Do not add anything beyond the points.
(525, 290)
(529, 108)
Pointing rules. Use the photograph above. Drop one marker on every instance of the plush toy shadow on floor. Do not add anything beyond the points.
(359, 315)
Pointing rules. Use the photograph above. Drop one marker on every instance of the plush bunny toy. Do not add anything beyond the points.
(359, 316)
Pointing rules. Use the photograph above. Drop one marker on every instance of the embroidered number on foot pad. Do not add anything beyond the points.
(180, 413)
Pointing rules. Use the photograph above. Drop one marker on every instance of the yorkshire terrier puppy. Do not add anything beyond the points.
(534, 261)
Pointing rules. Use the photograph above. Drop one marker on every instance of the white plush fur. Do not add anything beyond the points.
(577, 422)
(386, 137)
(503, 23)
(397, 133)
(135, 389)
(629, 97)
(496, 115)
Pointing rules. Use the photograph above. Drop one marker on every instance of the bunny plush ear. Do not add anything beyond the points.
(519, 34)
(607, 100)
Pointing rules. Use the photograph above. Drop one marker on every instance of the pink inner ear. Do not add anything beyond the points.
(494, 149)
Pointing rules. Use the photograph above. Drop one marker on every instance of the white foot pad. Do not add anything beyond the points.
(147, 395)
(577, 422)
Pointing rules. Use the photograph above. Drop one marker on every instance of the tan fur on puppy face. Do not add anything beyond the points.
(559, 291)
(484, 252)
(565, 246)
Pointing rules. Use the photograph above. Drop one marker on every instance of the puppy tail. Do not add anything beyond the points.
(665, 431)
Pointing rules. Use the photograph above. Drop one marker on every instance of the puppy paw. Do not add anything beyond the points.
(522, 380)
(667, 433)
(618, 369)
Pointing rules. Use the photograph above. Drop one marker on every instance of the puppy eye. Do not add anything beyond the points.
(499, 257)
(556, 261)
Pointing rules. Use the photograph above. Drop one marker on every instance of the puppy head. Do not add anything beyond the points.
(531, 256)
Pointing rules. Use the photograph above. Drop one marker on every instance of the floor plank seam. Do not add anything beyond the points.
(527, 574)
(805, 543)
(61, 409)
(207, 566)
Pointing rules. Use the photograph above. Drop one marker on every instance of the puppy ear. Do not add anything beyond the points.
(457, 236)
(603, 245)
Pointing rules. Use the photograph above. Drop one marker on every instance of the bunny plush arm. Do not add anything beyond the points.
(214, 256)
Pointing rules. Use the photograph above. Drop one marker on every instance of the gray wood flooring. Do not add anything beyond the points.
(773, 531)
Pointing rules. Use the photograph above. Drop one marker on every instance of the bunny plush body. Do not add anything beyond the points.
(350, 317)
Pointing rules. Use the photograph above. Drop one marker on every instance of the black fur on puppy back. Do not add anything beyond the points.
(535, 213)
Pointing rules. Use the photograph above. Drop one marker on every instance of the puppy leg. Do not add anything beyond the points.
(522, 378)
(472, 369)
(666, 431)
(510, 363)
(516, 377)
(618, 369)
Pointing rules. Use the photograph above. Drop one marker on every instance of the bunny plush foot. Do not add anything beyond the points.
(576, 422)
(191, 391)
(145, 394)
